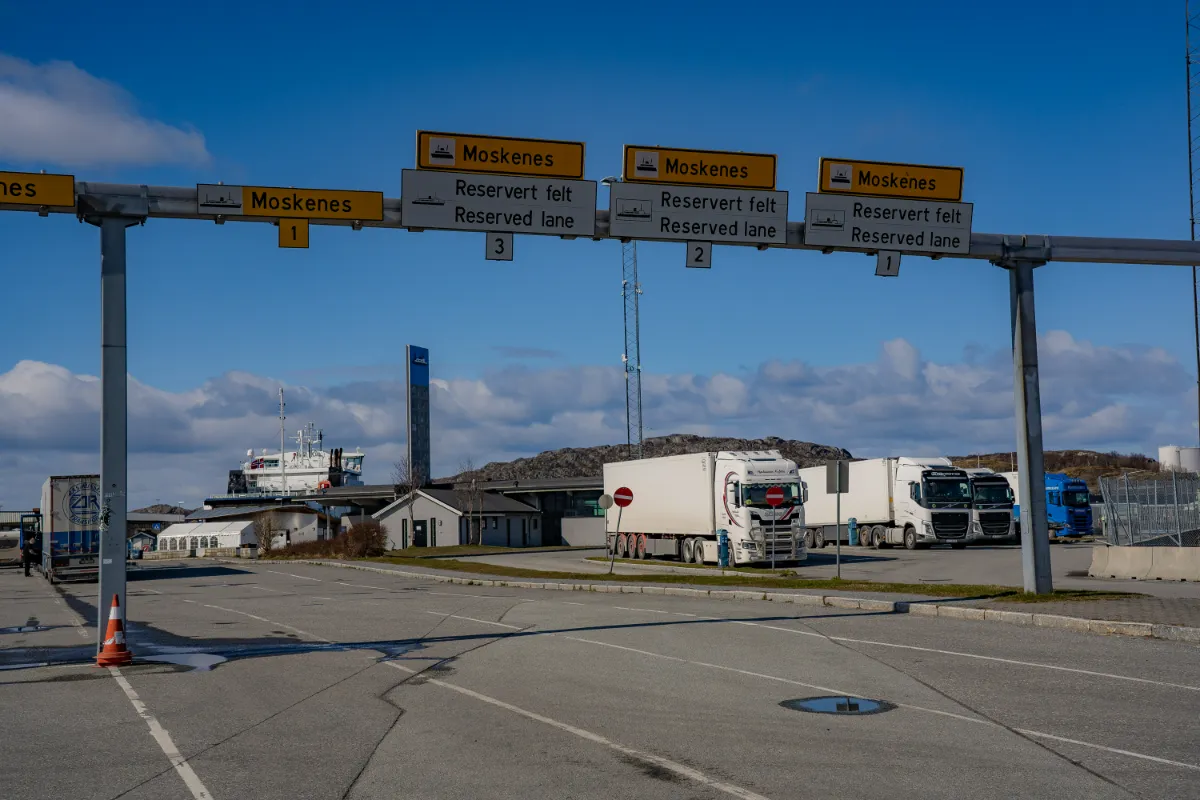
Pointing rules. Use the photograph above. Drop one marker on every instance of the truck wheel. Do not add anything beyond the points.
(688, 551)
(698, 548)
(818, 540)
(808, 540)
(881, 541)
(640, 544)
(622, 546)
(910, 538)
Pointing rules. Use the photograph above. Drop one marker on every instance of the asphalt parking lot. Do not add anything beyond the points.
(280, 680)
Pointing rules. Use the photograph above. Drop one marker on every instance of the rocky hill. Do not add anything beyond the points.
(586, 462)
(1086, 465)
(162, 508)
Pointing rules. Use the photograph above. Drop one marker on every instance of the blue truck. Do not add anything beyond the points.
(1068, 504)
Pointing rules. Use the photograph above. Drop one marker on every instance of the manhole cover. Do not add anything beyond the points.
(838, 704)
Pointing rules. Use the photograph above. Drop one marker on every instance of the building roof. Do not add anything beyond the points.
(492, 503)
(541, 485)
(249, 511)
(207, 528)
(142, 516)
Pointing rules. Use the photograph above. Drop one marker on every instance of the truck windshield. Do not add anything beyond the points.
(947, 491)
(993, 493)
(1075, 498)
(755, 494)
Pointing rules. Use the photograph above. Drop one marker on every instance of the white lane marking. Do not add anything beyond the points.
(672, 766)
(292, 575)
(989, 723)
(365, 586)
(472, 619)
(957, 653)
(146, 589)
(190, 779)
(488, 596)
(76, 620)
(265, 588)
(318, 597)
(569, 603)
(264, 619)
(1116, 750)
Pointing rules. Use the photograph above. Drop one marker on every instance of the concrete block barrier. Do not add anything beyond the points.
(1146, 563)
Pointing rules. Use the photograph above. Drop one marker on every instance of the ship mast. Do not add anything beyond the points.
(282, 440)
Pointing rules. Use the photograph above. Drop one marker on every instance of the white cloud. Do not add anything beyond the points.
(182, 444)
(57, 113)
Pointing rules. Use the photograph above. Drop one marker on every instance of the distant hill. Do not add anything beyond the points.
(162, 508)
(1086, 465)
(586, 462)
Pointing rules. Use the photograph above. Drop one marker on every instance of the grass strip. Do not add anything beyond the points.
(981, 591)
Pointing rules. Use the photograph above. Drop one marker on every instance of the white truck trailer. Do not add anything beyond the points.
(681, 502)
(71, 528)
(916, 502)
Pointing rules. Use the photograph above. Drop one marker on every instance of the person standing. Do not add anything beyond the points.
(31, 553)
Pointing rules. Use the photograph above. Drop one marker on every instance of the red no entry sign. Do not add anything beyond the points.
(623, 496)
(775, 496)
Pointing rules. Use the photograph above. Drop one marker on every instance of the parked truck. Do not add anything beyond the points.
(1068, 504)
(681, 503)
(70, 522)
(991, 507)
(915, 502)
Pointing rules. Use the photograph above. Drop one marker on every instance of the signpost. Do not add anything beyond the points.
(774, 500)
(500, 155)
(886, 179)
(697, 214)
(37, 189)
(699, 167)
(458, 201)
(837, 481)
(870, 224)
(270, 201)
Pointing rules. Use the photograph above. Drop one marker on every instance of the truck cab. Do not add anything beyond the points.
(937, 507)
(992, 501)
(1068, 505)
(757, 530)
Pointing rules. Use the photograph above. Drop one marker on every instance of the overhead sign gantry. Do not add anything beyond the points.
(37, 189)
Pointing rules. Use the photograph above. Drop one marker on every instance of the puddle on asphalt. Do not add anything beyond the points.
(839, 704)
(199, 662)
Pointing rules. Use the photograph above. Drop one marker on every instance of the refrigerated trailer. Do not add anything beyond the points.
(680, 503)
(915, 502)
(71, 527)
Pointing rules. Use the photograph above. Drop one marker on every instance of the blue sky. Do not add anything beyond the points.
(1068, 119)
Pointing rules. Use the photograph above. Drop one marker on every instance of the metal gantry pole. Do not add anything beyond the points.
(114, 387)
(1035, 538)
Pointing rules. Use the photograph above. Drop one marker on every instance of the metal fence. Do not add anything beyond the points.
(1161, 511)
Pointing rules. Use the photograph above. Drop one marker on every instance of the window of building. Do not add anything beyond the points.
(535, 519)
(495, 522)
(194, 542)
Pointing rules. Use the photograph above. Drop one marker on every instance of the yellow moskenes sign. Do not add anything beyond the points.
(267, 201)
(500, 155)
(37, 189)
(886, 179)
(699, 167)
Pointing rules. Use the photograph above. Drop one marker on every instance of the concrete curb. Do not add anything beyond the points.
(660, 568)
(1144, 630)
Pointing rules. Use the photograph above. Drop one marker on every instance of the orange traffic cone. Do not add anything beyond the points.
(114, 653)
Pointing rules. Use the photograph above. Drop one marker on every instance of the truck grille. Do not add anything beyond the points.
(950, 526)
(994, 523)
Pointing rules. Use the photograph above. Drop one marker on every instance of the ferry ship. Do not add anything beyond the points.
(307, 469)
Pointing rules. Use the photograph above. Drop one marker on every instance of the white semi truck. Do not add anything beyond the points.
(991, 506)
(681, 502)
(915, 502)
